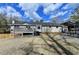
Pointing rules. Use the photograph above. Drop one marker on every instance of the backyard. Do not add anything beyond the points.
(40, 45)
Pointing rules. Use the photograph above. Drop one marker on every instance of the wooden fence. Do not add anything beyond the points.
(6, 36)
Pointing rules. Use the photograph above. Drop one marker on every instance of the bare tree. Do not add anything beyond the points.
(3, 23)
(75, 16)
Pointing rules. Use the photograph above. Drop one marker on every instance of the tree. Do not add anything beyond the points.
(75, 16)
(5, 20)
(3, 23)
(54, 21)
(2, 20)
(16, 19)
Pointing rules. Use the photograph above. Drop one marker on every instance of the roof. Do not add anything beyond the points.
(44, 24)
(69, 23)
(34, 24)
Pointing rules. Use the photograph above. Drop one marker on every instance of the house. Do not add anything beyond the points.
(72, 28)
(35, 27)
(47, 27)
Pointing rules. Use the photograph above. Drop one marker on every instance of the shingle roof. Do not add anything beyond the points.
(35, 23)
(43, 24)
(69, 23)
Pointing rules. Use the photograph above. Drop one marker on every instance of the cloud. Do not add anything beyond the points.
(52, 7)
(36, 16)
(66, 6)
(47, 21)
(58, 14)
(12, 12)
(49, 8)
(29, 6)
(27, 14)
(69, 6)
(2, 10)
(45, 4)
(30, 10)
(10, 9)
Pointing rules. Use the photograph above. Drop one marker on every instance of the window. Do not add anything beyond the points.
(49, 26)
(28, 27)
(16, 26)
(38, 27)
(56, 26)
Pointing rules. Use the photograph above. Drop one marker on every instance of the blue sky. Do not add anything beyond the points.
(39, 11)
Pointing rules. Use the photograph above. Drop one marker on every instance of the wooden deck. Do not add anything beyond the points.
(21, 30)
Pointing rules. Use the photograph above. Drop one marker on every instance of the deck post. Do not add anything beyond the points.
(33, 32)
(22, 35)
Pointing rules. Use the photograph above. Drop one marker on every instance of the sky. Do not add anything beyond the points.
(39, 11)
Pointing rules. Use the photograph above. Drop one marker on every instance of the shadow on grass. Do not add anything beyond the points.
(72, 45)
(62, 47)
(68, 43)
(29, 50)
(52, 46)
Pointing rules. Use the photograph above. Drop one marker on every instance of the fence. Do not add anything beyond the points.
(74, 32)
(6, 36)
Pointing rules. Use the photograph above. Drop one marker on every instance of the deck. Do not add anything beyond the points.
(21, 30)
